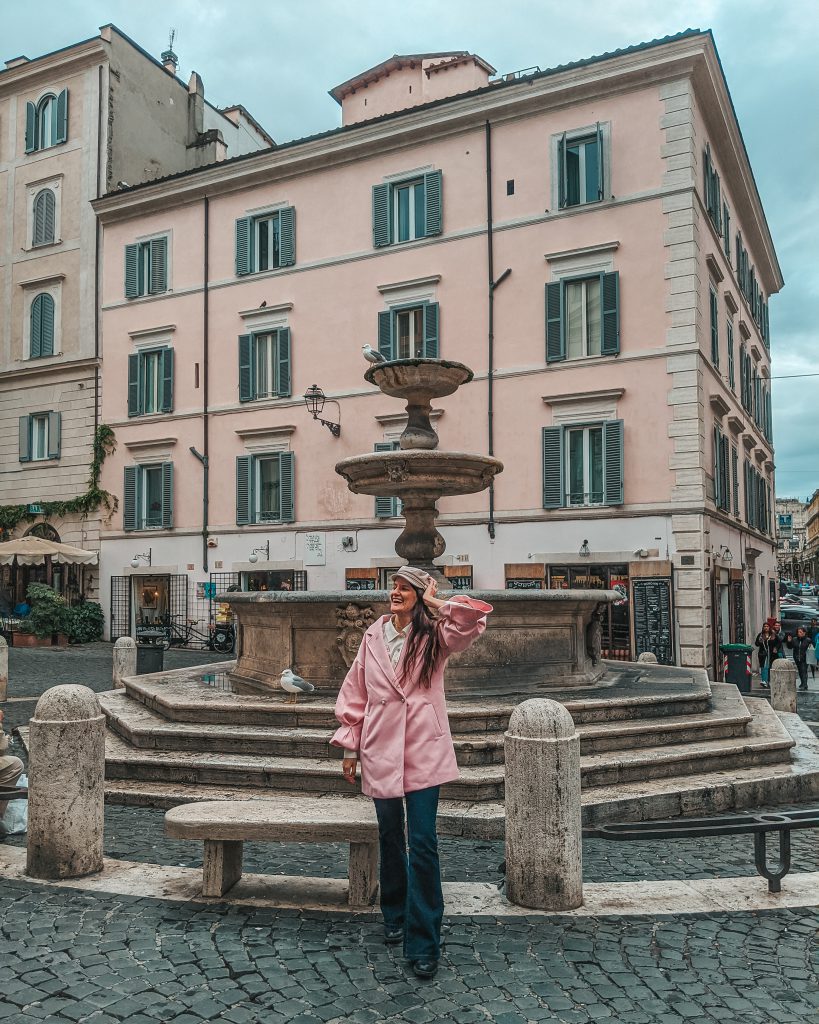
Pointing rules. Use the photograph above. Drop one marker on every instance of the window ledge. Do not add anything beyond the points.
(158, 442)
(719, 405)
(755, 352)
(735, 425)
(149, 332)
(254, 433)
(760, 455)
(260, 311)
(396, 419)
(585, 250)
(415, 282)
(731, 303)
(714, 268)
(743, 330)
(748, 442)
(38, 282)
(38, 463)
(582, 396)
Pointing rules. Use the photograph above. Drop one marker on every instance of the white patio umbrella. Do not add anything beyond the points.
(35, 550)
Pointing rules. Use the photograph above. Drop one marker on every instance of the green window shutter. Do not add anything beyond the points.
(44, 210)
(714, 308)
(600, 179)
(555, 337)
(433, 202)
(287, 236)
(36, 328)
(244, 490)
(610, 319)
(132, 270)
(706, 176)
(382, 235)
(134, 360)
(246, 368)
(725, 471)
(24, 428)
(47, 326)
(726, 232)
(159, 265)
(735, 478)
(62, 117)
(54, 434)
(386, 508)
(244, 246)
(129, 494)
(431, 324)
(31, 127)
(717, 474)
(287, 488)
(283, 362)
(385, 333)
(167, 379)
(613, 462)
(562, 184)
(553, 496)
(167, 494)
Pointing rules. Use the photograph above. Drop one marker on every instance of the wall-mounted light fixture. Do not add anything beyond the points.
(725, 554)
(136, 558)
(254, 554)
(314, 399)
(584, 551)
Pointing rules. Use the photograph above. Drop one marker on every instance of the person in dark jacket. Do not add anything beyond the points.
(768, 647)
(800, 645)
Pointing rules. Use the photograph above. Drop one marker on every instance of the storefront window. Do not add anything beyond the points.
(616, 622)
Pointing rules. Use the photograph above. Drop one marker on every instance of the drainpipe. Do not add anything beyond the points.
(492, 284)
(203, 456)
(97, 247)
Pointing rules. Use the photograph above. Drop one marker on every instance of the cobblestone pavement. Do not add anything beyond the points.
(71, 957)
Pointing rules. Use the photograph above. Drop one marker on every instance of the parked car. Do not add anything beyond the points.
(808, 588)
(793, 616)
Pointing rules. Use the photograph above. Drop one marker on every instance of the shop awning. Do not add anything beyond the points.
(35, 550)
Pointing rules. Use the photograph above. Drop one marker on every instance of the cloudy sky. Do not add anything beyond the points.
(279, 59)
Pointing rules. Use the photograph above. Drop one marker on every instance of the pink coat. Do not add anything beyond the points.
(402, 734)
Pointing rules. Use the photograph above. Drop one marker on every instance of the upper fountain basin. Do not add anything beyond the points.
(418, 378)
(390, 474)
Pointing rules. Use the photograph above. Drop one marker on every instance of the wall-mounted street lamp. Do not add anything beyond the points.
(725, 554)
(136, 558)
(314, 399)
(254, 554)
(584, 551)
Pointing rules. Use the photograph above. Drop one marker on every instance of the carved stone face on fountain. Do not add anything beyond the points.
(418, 473)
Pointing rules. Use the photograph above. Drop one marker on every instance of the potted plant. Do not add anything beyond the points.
(47, 619)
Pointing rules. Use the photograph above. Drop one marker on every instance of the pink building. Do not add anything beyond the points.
(621, 356)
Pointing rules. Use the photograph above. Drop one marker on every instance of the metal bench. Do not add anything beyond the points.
(224, 826)
(758, 825)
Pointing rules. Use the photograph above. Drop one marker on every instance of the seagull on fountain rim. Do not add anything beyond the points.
(371, 355)
(294, 684)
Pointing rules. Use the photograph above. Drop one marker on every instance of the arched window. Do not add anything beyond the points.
(45, 531)
(44, 208)
(46, 122)
(42, 326)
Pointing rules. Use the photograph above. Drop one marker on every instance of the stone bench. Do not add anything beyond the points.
(225, 825)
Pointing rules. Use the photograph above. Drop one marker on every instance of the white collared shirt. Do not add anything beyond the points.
(394, 640)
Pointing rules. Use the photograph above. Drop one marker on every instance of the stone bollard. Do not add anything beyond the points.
(4, 668)
(66, 784)
(648, 658)
(125, 660)
(544, 868)
(783, 685)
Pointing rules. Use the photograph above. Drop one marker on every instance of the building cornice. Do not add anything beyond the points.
(59, 64)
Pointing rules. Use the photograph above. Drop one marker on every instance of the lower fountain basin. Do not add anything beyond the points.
(392, 474)
(535, 640)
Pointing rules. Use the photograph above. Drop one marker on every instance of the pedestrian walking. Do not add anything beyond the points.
(800, 645)
(813, 633)
(11, 767)
(768, 646)
(392, 711)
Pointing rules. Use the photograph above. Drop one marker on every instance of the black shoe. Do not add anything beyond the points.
(425, 968)
(392, 936)
(804, 687)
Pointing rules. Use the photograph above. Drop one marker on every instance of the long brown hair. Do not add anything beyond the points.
(422, 644)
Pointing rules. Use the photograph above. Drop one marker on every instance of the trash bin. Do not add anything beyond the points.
(737, 665)
(150, 658)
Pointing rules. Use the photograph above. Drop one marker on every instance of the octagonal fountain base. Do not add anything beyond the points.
(535, 640)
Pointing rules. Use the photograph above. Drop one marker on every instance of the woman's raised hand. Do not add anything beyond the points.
(429, 598)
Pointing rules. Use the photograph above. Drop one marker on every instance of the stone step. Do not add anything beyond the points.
(145, 729)
(199, 695)
(703, 793)
(765, 742)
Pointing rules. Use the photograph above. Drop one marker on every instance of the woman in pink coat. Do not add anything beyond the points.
(393, 717)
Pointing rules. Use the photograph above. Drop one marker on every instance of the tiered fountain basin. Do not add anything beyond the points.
(535, 641)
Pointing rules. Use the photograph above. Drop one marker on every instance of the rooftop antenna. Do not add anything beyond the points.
(170, 61)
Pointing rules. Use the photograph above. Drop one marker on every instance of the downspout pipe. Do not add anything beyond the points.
(97, 248)
(204, 455)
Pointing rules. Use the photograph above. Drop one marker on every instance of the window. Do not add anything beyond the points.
(47, 122)
(722, 483)
(39, 437)
(409, 332)
(387, 508)
(264, 364)
(406, 210)
(146, 267)
(711, 189)
(148, 497)
(41, 337)
(265, 488)
(583, 464)
(729, 331)
(735, 478)
(150, 382)
(726, 232)
(583, 317)
(580, 167)
(714, 310)
(266, 241)
(44, 218)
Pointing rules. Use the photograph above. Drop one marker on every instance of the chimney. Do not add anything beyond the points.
(170, 61)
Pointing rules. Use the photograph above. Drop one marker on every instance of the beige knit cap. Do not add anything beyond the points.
(415, 577)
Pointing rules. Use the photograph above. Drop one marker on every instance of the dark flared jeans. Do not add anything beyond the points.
(411, 896)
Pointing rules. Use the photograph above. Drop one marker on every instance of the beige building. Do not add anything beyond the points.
(791, 547)
(76, 124)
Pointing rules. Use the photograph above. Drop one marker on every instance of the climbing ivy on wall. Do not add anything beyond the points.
(83, 504)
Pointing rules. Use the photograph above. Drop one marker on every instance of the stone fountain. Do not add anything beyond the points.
(536, 640)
